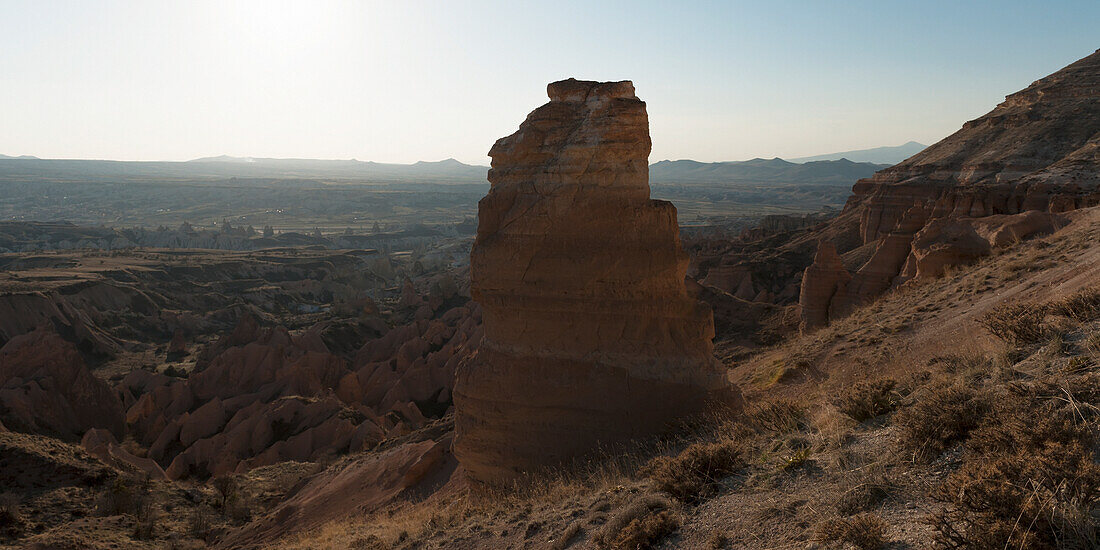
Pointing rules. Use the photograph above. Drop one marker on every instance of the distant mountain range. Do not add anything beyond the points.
(838, 168)
(755, 171)
(878, 155)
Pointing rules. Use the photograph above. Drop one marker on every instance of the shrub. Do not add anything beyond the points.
(146, 516)
(867, 400)
(864, 531)
(200, 523)
(863, 497)
(227, 488)
(370, 542)
(10, 517)
(610, 535)
(646, 532)
(1029, 479)
(125, 496)
(690, 475)
(796, 459)
(1083, 306)
(1018, 324)
(941, 414)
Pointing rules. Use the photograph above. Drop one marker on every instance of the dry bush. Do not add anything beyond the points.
(780, 416)
(1082, 307)
(571, 535)
(10, 517)
(690, 475)
(201, 522)
(611, 534)
(1029, 479)
(867, 400)
(1017, 324)
(370, 542)
(941, 414)
(646, 532)
(864, 531)
(125, 495)
(718, 541)
(864, 496)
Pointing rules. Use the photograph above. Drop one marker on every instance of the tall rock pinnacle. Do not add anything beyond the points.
(591, 338)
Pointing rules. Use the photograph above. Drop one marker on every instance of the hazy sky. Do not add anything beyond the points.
(406, 80)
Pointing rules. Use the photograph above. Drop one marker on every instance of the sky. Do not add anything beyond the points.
(409, 80)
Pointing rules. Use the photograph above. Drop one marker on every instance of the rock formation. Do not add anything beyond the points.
(591, 338)
(1003, 177)
(46, 388)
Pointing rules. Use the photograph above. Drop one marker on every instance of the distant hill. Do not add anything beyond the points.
(756, 171)
(19, 157)
(448, 171)
(878, 155)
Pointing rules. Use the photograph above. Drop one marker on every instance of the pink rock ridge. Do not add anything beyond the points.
(591, 338)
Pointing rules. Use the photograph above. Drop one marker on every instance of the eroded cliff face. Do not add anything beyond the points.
(1003, 177)
(591, 338)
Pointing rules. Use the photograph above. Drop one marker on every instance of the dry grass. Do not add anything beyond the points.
(864, 531)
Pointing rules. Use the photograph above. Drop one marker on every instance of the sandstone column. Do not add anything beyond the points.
(591, 338)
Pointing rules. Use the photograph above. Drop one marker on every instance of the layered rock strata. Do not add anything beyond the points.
(591, 338)
(1003, 177)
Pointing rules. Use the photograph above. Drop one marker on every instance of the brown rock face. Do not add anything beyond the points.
(1003, 177)
(822, 281)
(591, 338)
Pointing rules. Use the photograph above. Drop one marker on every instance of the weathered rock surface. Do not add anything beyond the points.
(1003, 177)
(46, 388)
(591, 338)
